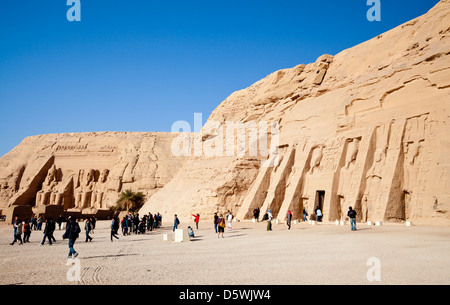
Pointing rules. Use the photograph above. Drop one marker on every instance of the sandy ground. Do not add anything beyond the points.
(306, 254)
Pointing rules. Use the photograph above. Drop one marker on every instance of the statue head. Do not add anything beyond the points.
(379, 154)
(413, 152)
(90, 175)
(352, 151)
(51, 175)
(103, 176)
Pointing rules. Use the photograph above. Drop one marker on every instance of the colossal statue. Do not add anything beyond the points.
(346, 173)
(44, 195)
(84, 192)
(99, 191)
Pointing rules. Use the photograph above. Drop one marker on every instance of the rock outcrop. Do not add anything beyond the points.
(366, 128)
(85, 172)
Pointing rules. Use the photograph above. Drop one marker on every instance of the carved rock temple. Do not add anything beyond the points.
(367, 128)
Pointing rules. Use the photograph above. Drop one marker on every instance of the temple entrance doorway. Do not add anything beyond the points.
(320, 199)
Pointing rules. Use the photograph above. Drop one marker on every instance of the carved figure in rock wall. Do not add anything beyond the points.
(346, 173)
(50, 182)
(61, 191)
(130, 158)
(316, 157)
(100, 190)
(412, 146)
(146, 166)
(373, 182)
(84, 192)
(308, 193)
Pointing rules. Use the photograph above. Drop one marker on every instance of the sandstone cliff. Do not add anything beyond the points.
(366, 128)
(85, 171)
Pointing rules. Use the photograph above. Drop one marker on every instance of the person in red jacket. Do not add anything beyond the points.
(196, 220)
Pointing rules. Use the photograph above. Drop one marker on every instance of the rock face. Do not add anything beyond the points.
(366, 128)
(84, 173)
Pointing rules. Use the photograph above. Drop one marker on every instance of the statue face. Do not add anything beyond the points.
(89, 176)
(378, 155)
(352, 151)
(103, 175)
(413, 152)
(51, 175)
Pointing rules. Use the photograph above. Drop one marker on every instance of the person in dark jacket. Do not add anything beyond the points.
(352, 215)
(26, 231)
(289, 219)
(115, 227)
(136, 222)
(72, 233)
(88, 229)
(49, 228)
(59, 221)
(18, 227)
(215, 221)
(150, 222)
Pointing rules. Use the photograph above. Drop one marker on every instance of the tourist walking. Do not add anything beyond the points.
(289, 219)
(176, 222)
(352, 215)
(269, 220)
(124, 225)
(33, 223)
(229, 219)
(150, 222)
(129, 221)
(256, 214)
(18, 226)
(141, 226)
(88, 229)
(220, 225)
(215, 222)
(49, 228)
(159, 220)
(93, 222)
(26, 231)
(305, 215)
(136, 223)
(60, 220)
(72, 233)
(39, 223)
(196, 220)
(319, 214)
(115, 227)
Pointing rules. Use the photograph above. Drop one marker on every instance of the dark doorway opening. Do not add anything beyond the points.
(320, 199)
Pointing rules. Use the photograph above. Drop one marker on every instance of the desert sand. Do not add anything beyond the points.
(248, 255)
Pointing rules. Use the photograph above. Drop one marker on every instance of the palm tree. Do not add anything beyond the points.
(130, 201)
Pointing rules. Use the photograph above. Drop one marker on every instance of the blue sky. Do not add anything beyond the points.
(141, 65)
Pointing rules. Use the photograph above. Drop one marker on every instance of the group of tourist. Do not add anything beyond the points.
(134, 224)
(221, 222)
(318, 216)
(47, 226)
